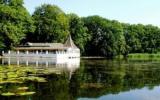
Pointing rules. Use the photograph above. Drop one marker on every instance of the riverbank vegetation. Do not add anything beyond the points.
(94, 35)
(144, 56)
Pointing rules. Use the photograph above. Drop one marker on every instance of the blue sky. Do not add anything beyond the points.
(128, 11)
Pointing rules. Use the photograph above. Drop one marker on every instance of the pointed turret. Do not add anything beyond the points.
(70, 43)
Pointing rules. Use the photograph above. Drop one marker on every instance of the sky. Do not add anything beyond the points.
(127, 11)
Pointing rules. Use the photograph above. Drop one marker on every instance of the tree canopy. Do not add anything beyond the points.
(15, 23)
(78, 31)
(51, 24)
(107, 37)
(142, 38)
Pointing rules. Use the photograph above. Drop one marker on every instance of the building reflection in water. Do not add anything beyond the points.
(69, 65)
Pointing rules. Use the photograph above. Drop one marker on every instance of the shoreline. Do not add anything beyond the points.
(93, 57)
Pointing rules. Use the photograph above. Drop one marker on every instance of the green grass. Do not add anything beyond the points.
(144, 56)
(141, 56)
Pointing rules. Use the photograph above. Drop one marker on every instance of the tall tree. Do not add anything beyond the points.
(132, 34)
(78, 31)
(150, 39)
(142, 38)
(51, 24)
(15, 23)
(107, 37)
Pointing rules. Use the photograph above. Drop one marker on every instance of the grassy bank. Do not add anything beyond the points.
(144, 56)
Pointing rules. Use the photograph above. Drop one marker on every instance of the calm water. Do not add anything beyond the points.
(92, 80)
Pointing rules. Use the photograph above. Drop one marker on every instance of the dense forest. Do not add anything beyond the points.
(94, 35)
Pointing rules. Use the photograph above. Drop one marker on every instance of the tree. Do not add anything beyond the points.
(132, 34)
(118, 33)
(51, 24)
(78, 31)
(106, 37)
(150, 39)
(142, 38)
(15, 23)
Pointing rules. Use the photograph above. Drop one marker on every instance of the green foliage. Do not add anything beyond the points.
(106, 37)
(78, 31)
(142, 38)
(150, 39)
(144, 56)
(51, 24)
(131, 33)
(15, 23)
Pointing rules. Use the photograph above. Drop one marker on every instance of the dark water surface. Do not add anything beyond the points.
(92, 80)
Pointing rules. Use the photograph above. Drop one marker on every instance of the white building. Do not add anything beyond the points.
(52, 50)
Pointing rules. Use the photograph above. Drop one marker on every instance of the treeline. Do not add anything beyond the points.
(94, 35)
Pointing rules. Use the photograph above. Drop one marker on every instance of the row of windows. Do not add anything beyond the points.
(41, 52)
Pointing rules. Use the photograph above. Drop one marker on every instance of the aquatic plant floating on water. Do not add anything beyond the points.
(13, 79)
(8, 94)
(13, 74)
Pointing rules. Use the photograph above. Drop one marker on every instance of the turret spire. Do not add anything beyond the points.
(70, 43)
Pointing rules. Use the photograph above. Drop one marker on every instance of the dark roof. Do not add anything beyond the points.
(55, 45)
(48, 46)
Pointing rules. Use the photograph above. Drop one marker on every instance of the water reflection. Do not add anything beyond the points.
(69, 64)
(116, 77)
(100, 79)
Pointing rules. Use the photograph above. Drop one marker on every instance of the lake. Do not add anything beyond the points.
(85, 79)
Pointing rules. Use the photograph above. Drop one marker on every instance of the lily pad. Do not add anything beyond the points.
(26, 93)
(36, 79)
(22, 88)
(10, 81)
(8, 94)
